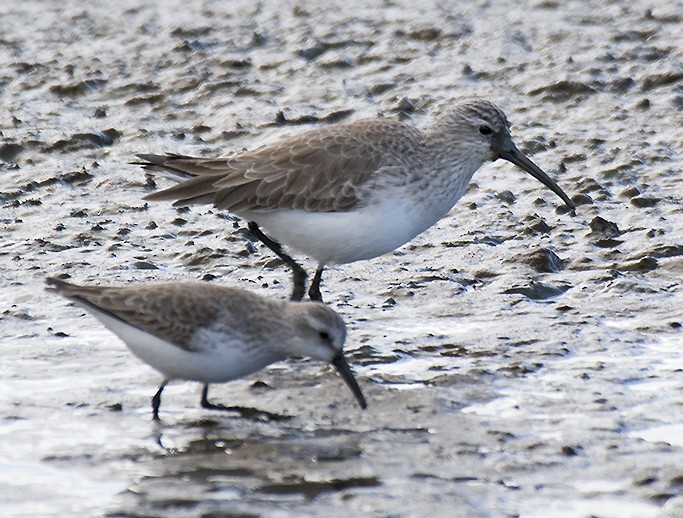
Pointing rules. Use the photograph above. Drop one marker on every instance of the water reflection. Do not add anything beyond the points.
(221, 466)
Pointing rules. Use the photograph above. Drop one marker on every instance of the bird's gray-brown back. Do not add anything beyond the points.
(175, 312)
(321, 170)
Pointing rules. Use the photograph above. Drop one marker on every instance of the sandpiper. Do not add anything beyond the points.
(349, 191)
(213, 334)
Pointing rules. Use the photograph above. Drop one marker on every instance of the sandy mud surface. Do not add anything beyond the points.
(518, 360)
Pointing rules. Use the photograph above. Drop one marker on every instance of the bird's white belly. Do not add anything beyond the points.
(345, 237)
(223, 362)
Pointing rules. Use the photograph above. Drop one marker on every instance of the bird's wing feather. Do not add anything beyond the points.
(321, 170)
(173, 314)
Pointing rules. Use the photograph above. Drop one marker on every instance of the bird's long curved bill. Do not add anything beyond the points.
(343, 368)
(515, 156)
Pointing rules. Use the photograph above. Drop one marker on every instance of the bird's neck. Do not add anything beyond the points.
(446, 173)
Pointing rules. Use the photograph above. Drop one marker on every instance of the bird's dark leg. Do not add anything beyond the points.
(314, 290)
(156, 400)
(298, 273)
(205, 401)
(214, 406)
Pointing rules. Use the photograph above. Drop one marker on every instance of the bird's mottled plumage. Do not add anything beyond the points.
(177, 312)
(354, 190)
(210, 333)
(327, 169)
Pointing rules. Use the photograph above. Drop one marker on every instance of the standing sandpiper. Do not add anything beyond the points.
(213, 334)
(350, 191)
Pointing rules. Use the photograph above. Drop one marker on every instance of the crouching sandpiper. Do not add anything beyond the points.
(213, 334)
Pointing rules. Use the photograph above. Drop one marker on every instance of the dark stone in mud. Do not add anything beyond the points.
(582, 199)
(260, 386)
(77, 89)
(237, 63)
(564, 90)
(22, 314)
(484, 274)
(405, 107)
(589, 185)
(313, 488)
(536, 145)
(201, 128)
(314, 52)
(570, 451)
(624, 170)
(489, 240)
(95, 139)
(381, 88)
(539, 290)
(622, 84)
(336, 116)
(390, 302)
(78, 213)
(519, 369)
(52, 247)
(657, 253)
(667, 251)
(146, 99)
(506, 197)
(544, 260)
(538, 226)
(645, 264)
(608, 243)
(453, 351)
(661, 498)
(425, 34)
(604, 228)
(145, 265)
(630, 192)
(644, 201)
(227, 135)
(657, 80)
(73, 178)
(8, 152)
(338, 63)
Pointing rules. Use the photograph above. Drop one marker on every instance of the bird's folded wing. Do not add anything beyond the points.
(173, 314)
(321, 170)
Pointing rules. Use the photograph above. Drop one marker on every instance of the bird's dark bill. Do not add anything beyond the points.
(343, 368)
(515, 156)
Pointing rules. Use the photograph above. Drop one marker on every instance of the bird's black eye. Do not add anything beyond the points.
(485, 130)
(324, 335)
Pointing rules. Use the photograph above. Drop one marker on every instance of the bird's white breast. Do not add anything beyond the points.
(390, 220)
(215, 359)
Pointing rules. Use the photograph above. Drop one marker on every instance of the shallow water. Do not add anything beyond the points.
(517, 360)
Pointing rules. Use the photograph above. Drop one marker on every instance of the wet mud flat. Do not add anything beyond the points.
(517, 360)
